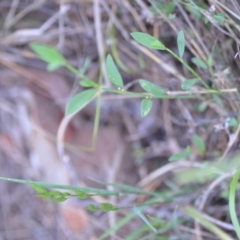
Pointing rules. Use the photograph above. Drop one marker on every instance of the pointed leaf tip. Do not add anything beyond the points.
(148, 40)
(153, 89)
(146, 106)
(113, 73)
(49, 54)
(80, 100)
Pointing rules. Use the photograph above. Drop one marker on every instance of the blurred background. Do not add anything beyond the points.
(128, 147)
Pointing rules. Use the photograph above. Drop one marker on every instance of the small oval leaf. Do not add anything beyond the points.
(153, 89)
(181, 43)
(146, 106)
(92, 208)
(189, 83)
(55, 194)
(148, 40)
(233, 122)
(88, 83)
(81, 194)
(49, 54)
(39, 188)
(200, 144)
(80, 100)
(198, 62)
(181, 155)
(59, 199)
(210, 61)
(138, 212)
(106, 207)
(113, 73)
(45, 195)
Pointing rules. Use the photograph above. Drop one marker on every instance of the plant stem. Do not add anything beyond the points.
(188, 67)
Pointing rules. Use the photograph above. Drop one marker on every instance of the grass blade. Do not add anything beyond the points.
(232, 203)
(113, 73)
(139, 213)
(210, 226)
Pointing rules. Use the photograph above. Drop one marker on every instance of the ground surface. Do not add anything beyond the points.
(129, 149)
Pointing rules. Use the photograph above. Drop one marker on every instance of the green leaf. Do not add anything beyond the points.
(200, 144)
(233, 122)
(85, 65)
(45, 195)
(119, 224)
(189, 83)
(106, 207)
(146, 107)
(198, 62)
(232, 203)
(170, 8)
(53, 66)
(81, 194)
(80, 100)
(210, 61)
(139, 213)
(181, 155)
(134, 190)
(55, 194)
(202, 107)
(88, 83)
(148, 40)
(92, 208)
(220, 18)
(89, 190)
(50, 55)
(181, 43)
(39, 189)
(153, 89)
(113, 73)
(66, 194)
(59, 199)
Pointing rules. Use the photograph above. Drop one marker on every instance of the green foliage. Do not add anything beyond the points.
(113, 73)
(80, 100)
(210, 61)
(220, 18)
(202, 107)
(182, 155)
(50, 55)
(153, 89)
(233, 122)
(146, 106)
(206, 223)
(106, 207)
(93, 208)
(198, 62)
(232, 203)
(81, 194)
(121, 223)
(88, 83)
(167, 9)
(59, 199)
(189, 83)
(96, 191)
(140, 214)
(181, 43)
(39, 188)
(147, 40)
(200, 144)
(207, 172)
